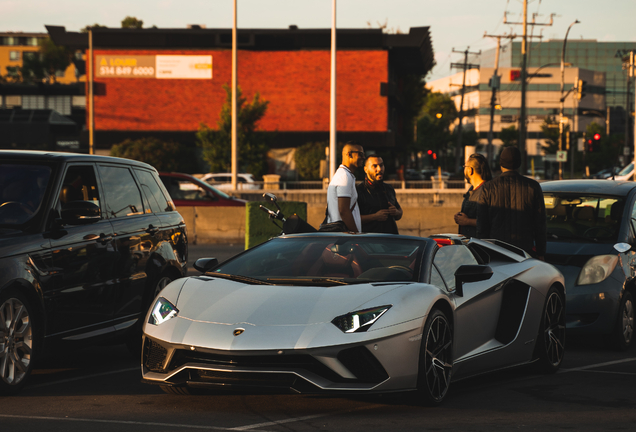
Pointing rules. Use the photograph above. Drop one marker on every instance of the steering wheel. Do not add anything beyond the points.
(15, 210)
(401, 267)
(598, 231)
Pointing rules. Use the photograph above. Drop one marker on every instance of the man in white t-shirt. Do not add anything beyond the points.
(342, 196)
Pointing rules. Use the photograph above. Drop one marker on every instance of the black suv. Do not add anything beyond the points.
(86, 243)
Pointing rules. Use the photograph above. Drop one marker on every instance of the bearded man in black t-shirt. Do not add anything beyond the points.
(379, 208)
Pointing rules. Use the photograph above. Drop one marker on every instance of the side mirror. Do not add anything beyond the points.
(204, 265)
(470, 273)
(270, 196)
(622, 247)
(80, 213)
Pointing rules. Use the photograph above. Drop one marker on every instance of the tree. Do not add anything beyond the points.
(43, 64)
(550, 129)
(89, 27)
(131, 22)
(252, 145)
(437, 113)
(164, 156)
(308, 157)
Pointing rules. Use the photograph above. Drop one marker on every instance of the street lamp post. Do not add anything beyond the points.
(561, 99)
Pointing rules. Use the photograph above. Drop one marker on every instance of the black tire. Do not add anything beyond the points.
(551, 339)
(623, 334)
(133, 341)
(436, 358)
(19, 341)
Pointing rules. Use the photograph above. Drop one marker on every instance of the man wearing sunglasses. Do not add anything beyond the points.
(342, 197)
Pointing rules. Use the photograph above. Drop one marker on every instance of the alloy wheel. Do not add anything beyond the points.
(554, 329)
(16, 341)
(438, 357)
(627, 315)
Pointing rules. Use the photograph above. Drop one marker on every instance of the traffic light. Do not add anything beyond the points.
(596, 142)
(590, 146)
(581, 89)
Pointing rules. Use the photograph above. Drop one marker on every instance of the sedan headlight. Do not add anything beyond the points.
(162, 311)
(597, 269)
(359, 321)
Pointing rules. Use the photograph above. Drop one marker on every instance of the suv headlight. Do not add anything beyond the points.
(359, 321)
(162, 311)
(597, 269)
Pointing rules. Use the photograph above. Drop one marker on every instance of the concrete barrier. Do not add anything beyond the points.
(426, 212)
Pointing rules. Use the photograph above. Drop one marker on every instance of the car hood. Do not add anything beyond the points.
(566, 253)
(221, 301)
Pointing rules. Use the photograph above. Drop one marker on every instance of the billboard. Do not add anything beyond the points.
(154, 66)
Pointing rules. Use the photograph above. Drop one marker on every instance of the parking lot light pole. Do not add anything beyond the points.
(561, 101)
(234, 105)
(332, 106)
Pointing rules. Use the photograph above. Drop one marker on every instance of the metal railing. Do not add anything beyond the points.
(319, 185)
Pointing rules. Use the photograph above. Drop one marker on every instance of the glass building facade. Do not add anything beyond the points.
(586, 54)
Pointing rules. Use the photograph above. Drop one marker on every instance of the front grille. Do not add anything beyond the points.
(154, 355)
(281, 380)
(279, 362)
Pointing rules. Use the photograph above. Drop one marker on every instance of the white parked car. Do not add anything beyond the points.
(223, 181)
(626, 173)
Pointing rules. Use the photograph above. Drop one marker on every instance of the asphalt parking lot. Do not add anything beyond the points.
(99, 389)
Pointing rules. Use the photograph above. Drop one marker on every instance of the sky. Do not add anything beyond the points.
(454, 24)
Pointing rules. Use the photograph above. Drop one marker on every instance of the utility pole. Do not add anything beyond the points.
(91, 99)
(562, 99)
(465, 66)
(524, 81)
(494, 84)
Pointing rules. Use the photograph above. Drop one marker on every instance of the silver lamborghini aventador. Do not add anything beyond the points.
(335, 312)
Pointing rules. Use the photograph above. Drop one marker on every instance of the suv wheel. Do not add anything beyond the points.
(17, 341)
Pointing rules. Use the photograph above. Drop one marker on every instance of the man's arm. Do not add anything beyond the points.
(345, 213)
(540, 234)
(483, 219)
(380, 215)
(395, 209)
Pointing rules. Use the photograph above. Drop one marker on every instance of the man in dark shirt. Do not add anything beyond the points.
(378, 204)
(511, 208)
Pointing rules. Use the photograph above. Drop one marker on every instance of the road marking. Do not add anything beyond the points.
(123, 422)
(279, 422)
(582, 368)
(82, 377)
(297, 419)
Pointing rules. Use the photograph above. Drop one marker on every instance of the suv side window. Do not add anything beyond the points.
(122, 194)
(158, 202)
(79, 185)
(449, 258)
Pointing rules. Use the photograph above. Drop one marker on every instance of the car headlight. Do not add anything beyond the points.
(597, 269)
(162, 311)
(359, 321)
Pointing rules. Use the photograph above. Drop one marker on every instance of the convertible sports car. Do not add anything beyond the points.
(335, 312)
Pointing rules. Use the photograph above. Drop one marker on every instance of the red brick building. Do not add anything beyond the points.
(143, 87)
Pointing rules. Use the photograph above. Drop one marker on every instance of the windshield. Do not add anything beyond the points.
(329, 260)
(588, 218)
(628, 169)
(21, 191)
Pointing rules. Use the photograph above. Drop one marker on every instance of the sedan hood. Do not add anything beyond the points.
(227, 302)
(573, 248)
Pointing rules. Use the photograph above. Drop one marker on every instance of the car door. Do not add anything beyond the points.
(477, 311)
(80, 297)
(135, 230)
